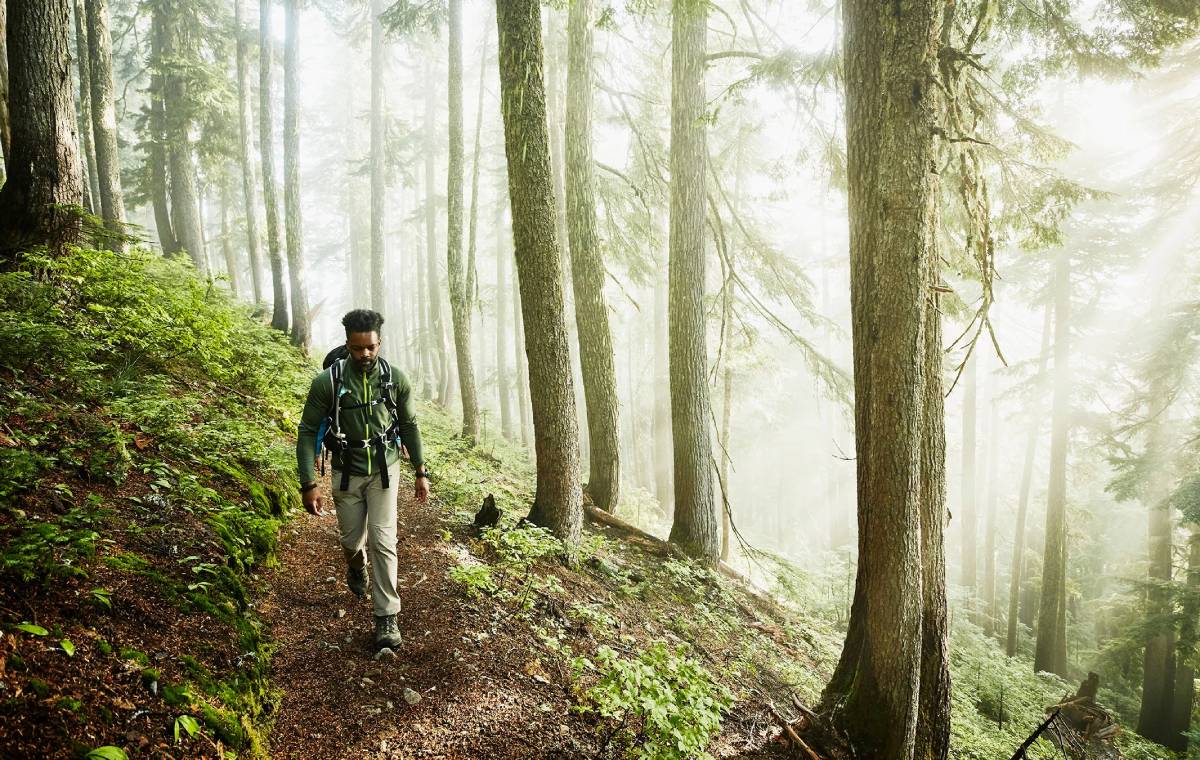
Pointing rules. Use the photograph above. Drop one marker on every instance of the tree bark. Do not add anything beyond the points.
(266, 122)
(587, 269)
(933, 705)
(694, 527)
(727, 404)
(104, 115)
(91, 186)
(44, 176)
(5, 124)
(892, 107)
(293, 221)
(157, 154)
(1018, 560)
(1051, 651)
(249, 196)
(460, 296)
(558, 503)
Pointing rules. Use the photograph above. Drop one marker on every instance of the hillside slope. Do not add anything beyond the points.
(163, 595)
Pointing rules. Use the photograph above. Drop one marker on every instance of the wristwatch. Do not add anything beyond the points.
(424, 473)
(306, 487)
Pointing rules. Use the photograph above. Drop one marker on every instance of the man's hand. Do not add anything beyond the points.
(313, 501)
(422, 489)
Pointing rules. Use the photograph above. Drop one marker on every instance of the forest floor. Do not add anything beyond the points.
(488, 686)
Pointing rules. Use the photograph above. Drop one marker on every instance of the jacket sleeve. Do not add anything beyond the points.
(316, 406)
(410, 435)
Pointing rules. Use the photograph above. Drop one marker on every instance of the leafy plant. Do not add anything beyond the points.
(660, 704)
(189, 725)
(476, 576)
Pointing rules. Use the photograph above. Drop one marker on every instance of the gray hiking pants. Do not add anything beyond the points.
(366, 515)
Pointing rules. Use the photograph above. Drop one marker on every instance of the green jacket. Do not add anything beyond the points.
(357, 424)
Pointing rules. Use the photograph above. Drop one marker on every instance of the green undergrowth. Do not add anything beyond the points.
(147, 444)
(661, 651)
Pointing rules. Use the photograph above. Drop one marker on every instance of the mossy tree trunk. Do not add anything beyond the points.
(880, 686)
(44, 175)
(587, 269)
(460, 309)
(558, 503)
(694, 527)
(266, 150)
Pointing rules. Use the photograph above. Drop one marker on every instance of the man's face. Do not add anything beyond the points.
(364, 349)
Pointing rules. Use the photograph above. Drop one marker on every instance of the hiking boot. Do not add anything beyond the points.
(357, 581)
(387, 632)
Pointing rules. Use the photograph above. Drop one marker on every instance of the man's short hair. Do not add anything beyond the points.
(362, 321)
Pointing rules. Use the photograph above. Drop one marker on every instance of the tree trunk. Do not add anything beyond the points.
(587, 270)
(378, 197)
(472, 239)
(231, 267)
(157, 154)
(185, 200)
(249, 196)
(1018, 560)
(428, 359)
(726, 405)
(91, 186)
(558, 503)
(5, 125)
(662, 401)
(970, 522)
(503, 381)
(44, 175)
(266, 150)
(1155, 718)
(301, 335)
(520, 358)
(1051, 651)
(989, 539)
(933, 705)
(694, 527)
(891, 113)
(104, 115)
(1185, 674)
(460, 296)
(437, 335)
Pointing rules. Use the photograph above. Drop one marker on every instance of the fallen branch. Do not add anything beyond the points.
(792, 736)
(1020, 753)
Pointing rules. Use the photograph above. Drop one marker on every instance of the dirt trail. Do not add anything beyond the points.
(481, 696)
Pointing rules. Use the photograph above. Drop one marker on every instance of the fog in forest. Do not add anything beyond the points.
(1052, 153)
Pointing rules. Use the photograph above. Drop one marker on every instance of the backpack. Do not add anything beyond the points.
(330, 434)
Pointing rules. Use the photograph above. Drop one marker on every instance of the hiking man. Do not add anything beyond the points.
(372, 418)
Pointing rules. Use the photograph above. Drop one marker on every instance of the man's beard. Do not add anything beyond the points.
(366, 365)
